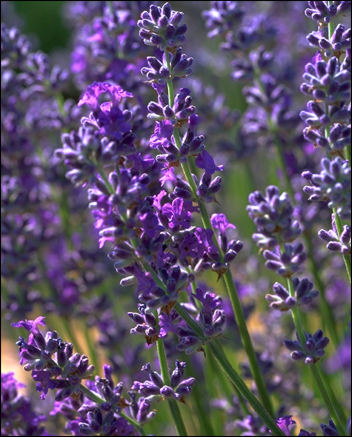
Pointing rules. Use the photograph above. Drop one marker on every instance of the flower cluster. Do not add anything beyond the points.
(283, 301)
(17, 415)
(332, 185)
(326, 79)
(156, 386)
(273, 217)
(36, 354)
(106, 43)
(249, 39)
(311, 351)
(337, 243)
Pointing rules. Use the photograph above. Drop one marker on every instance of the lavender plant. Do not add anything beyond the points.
(166, 328)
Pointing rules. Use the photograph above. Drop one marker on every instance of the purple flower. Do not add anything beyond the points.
(92, 94)
(161, 27)
(286, 424)
(30, 325)
(17, 414)
(332, 184)
(205, 161)
(283, 301)
(155, 386)
(312, 349)
(179, 213)
(36, 355)
(220, 222)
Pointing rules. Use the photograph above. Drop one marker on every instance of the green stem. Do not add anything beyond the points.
(319, 377)
(328, 315)
(98, 400)
(243, 389)
(234, 377)
(330, 25)
(229, 284)
(111, 7)
(335, 402)
(328, 318)
(246, 340)
(224, 386)
(175, 412)
(346, 258)
(105, 179)
(281, 158)
(203, 413)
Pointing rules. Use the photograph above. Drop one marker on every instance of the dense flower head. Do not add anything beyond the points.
(161, 27)
(106, 43)
(337, 243)
(332, 185)
(159, 70)
(326, 81)
(272, 214)
(283, 301)
(155, 387)
(286, 262)
(17, 414)
(108, 117)
(222, 17)
(36, 354)
(312, 349)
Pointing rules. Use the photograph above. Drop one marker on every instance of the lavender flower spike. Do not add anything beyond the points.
(311, 351)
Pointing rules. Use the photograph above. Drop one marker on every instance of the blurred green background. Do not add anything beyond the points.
(45, 20)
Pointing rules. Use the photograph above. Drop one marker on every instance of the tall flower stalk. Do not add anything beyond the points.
(327, 118)
(276, 235)
(176, 64)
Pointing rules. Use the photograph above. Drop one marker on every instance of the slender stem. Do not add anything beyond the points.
(346, 258)
(216, 349)
(328, 315)
(200, 395)
(98, 400)
(339, 409)
(105, 179)
(281, 158)
(319, 377)
(229, 284)
(224, 386)
(175, 412)
(330, 25)
(111, 7)
(246, 340)
(190, 322)
(296, 315)
(328, 318)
